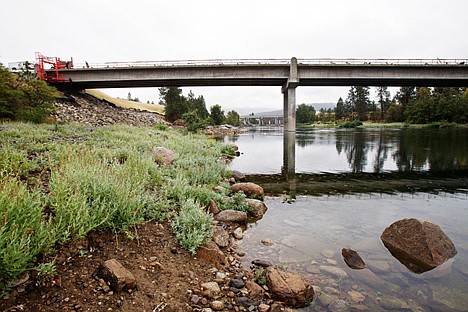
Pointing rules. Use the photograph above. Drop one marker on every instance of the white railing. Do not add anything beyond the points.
(312, 61)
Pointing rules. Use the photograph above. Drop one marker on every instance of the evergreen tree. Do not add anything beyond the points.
(383, 96)
(340, 110)
(358, 102)
(217, 114)
(404, 96)
(175, 102)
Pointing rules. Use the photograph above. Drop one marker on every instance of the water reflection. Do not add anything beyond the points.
(340, 161)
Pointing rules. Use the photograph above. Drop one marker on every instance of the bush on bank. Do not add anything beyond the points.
(58, 183)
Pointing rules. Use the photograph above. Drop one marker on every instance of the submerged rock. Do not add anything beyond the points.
(352, 259)
(419, 245)
(288, 287)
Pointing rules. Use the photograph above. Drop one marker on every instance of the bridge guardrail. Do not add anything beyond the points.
(311, 61)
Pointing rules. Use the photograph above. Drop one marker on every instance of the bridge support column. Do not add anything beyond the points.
(289, 108)
(289, 92)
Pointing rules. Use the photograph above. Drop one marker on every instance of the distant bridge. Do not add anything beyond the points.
(288, 74)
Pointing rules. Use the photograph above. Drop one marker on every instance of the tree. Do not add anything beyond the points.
(25, 98)
(383, 96)
(340, 110)
(404, 96)
(197, 104)
(358, 102)
(305, 114)
(233, 118)
(217, 114)
(175, 102)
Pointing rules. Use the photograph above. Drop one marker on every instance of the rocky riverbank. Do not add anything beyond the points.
(86, 109)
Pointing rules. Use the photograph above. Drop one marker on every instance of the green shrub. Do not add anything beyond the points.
(192, 226)
(350, 124)
(23, 233)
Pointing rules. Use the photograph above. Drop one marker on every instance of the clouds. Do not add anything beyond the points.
(116, 30)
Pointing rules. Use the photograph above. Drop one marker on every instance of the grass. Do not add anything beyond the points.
(59, 182)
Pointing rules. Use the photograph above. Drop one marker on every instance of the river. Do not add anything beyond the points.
(340, 188)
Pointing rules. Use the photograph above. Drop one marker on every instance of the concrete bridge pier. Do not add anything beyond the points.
(289, 93)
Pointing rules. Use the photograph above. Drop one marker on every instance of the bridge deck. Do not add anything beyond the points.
(323, 72)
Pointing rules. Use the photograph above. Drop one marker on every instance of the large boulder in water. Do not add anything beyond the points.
(288, 287)
(419, 245)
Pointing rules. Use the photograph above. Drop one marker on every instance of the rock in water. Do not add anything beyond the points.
(249, 189)
(257, 207)
(352, 259)
(419, 245)
(289, 287)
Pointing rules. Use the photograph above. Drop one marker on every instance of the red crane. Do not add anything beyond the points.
(56, 64)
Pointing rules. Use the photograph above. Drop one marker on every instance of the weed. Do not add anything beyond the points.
(260, 276)
(192, 226)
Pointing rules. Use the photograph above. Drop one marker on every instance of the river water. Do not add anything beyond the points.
(340, 188)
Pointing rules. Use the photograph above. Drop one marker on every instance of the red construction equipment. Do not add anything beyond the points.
(56, 64)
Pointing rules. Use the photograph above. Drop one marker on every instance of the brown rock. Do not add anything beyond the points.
(220, 236)
(238, 176)
(419, 245)
(249, 189)
(289, 287)
(213, 207)
(163, 156)
(211, 254)
(352, 259)
(231, 216)
(257, 207)
(255, 290)
(116, 275)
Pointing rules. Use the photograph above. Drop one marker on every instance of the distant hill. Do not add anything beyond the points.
(279, 112)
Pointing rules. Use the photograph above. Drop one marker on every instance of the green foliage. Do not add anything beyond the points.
(350, 124)
(237, 202)
(25, 99)
(227, 150)
(24, 233)
(358, 102)
(340, 110)
(192, 226)
(233, 118)
(439, 104)
(217, 114)
(305, 114)
(193, 121)
(46, 269)
(175, 102)
(260, 276)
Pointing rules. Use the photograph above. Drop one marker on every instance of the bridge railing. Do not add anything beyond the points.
(311, 61)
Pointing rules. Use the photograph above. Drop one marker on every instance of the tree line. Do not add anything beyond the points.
(410, 104)
(192, 109)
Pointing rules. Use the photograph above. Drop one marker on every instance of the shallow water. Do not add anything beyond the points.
(370, 179)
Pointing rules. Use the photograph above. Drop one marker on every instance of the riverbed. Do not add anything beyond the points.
(344, 188)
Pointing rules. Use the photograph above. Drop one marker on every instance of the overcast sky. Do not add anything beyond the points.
(116, 30)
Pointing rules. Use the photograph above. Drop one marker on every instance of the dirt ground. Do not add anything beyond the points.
(167, 275)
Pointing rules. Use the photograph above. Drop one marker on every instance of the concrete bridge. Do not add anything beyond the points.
(287, 74)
